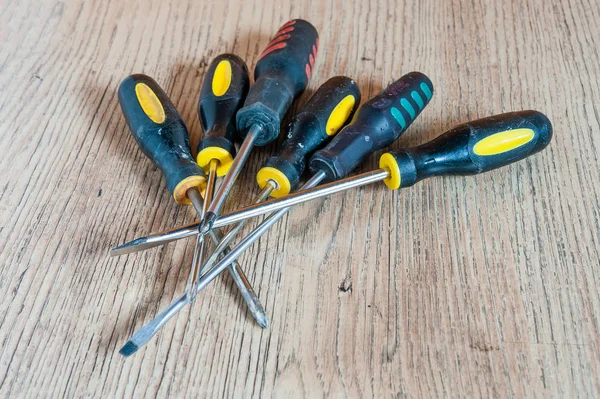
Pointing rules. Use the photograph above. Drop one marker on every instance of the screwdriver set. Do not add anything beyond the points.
(327, 138)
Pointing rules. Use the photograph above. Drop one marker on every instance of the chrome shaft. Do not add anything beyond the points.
(252, 237)
(224, 244)
(251, 211)
(200, 243)
(228, 181)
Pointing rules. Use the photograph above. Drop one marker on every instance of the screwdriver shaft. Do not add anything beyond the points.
(251, 211)
(224, 244)
(236, 272)
(252, 237)
(143, 335)
(228, 181)
(200, 243)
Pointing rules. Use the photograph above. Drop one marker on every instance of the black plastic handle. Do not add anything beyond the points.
(327, 111)
(223, 92)
(281, 74)
(378, 123)
(161, 134)
(471, 148)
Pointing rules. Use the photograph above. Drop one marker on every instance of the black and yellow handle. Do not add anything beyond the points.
(223, 92)
(281, 74)
(471, 148)
(161, 134)
(327, 111)
(378, 123)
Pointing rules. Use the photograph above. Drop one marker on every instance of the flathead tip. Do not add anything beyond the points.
(129, 247)
(128, 349)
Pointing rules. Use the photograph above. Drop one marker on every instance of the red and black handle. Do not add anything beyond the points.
(281, 75)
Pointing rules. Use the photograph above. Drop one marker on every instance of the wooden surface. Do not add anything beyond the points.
(485, 286)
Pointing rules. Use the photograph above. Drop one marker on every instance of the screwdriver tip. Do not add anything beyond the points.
(207, 223)
(262, 319)
(128, 349)
(129, 247)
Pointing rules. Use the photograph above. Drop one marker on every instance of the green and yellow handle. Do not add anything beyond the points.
(471, 148)
(378, 123)
(161, 134)
(223, 92)
(327, 111)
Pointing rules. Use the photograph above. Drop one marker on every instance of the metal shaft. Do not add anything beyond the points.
(224, 244)
(237, 274)
(251, 211)
(228, 181)
(252, 237)
(143, 335)
(200, 246)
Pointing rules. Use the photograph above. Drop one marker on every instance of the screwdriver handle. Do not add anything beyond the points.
(223, 92)
(471, 148)
(161, 134)
(281, 74)
(327, 111)
(378, 123)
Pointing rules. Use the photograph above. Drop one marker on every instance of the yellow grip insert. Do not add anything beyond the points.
(180, 192)
(387, 161)
(209, 153)
(222, 78)
(339, 115)
(150, 103)
(283, 184)
(504, 141)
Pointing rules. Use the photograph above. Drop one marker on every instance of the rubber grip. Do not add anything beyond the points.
(472, 148)
(281, 74)
(160, 133)
(223, 92)
(321, 118)
(378, 123)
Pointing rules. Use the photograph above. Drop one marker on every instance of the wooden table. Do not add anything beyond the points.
(459, 286)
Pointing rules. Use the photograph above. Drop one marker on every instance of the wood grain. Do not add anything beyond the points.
(476, 286)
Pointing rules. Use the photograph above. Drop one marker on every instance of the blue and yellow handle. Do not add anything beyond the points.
(471, 148)
(327, 111)
(161, 134)
(223, 92)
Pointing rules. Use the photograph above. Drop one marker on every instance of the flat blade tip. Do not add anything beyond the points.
(129, 349)
(128, 247)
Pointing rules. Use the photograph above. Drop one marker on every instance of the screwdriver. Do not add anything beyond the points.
(469, 149)
(327, 111)
(493, 142)
(376, 125)
(223, 91)
(281, 74)
(320, 118)
(162, 136)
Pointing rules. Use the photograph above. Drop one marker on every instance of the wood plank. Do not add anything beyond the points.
(474, 286)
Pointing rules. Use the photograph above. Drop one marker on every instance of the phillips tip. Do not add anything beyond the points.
(262, 319)
(207, 223)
